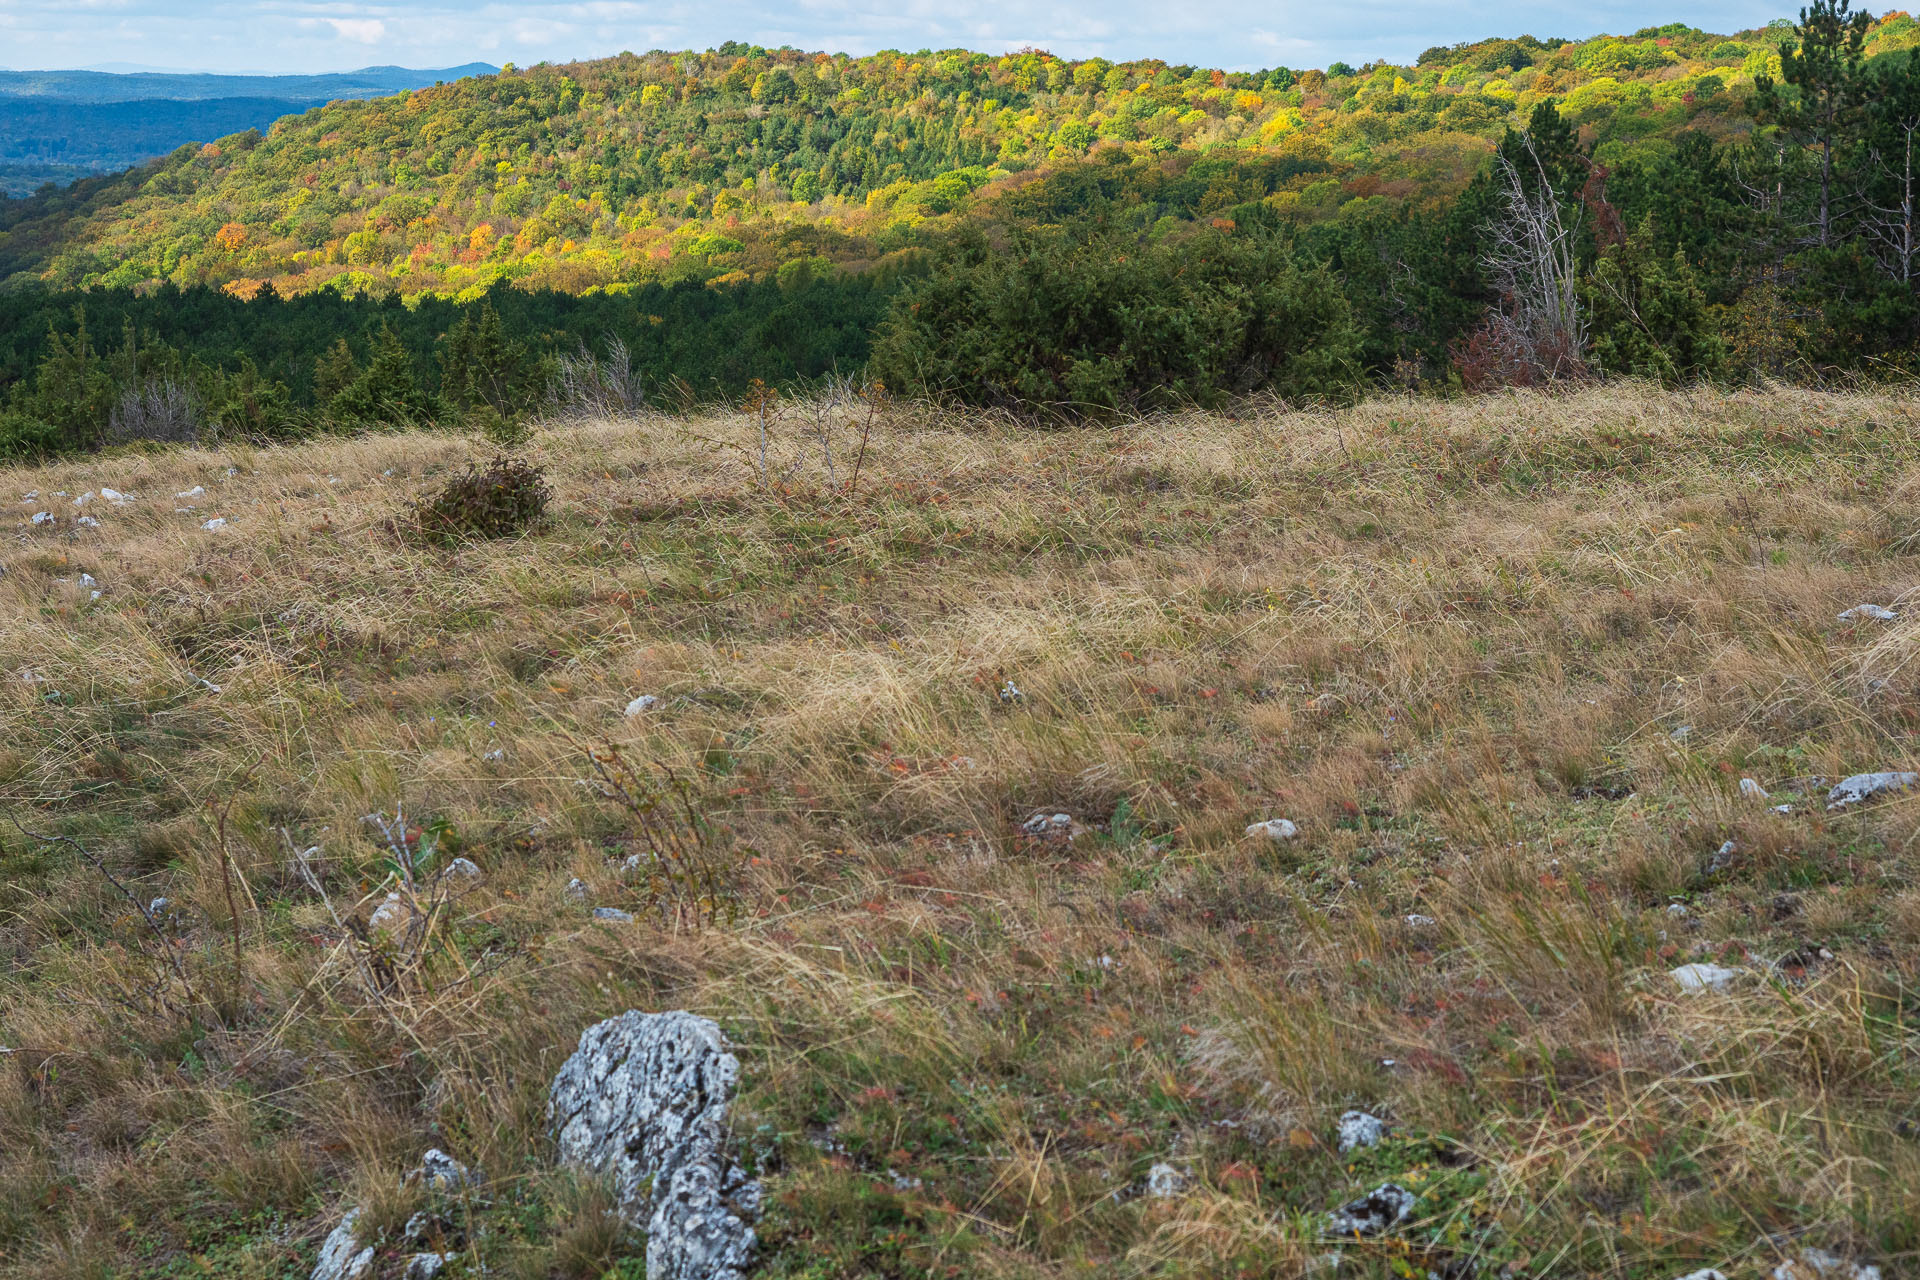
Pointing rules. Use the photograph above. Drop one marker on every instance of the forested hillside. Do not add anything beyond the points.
(1052, 237)
(741, 158)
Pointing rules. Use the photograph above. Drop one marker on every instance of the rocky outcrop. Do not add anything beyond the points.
(644, 1098)
(342, 1257)
(345, 1256)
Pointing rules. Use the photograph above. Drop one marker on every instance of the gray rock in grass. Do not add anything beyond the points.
(1864, 786)
(1376, 1213)
(644, 1098)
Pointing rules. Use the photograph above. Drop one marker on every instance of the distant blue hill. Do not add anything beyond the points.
(57, 126)
(107, 86)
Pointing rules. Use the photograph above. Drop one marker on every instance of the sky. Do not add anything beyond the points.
(285, 36)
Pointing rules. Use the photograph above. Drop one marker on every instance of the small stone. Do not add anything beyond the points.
(1862, 786)
(114, 496)
(642, 704)
(87, 580)
(392, 914)
(425, 1266)
(1878, 613)
(43, 517)
(1377, 1212)
(1052, 826)
(1783, 808)
(495, 756)
(341, 1257)
(1752, 790)
(1418, 921)
(1677, 910)
(215, 525)
(613, 913)
(576, 889)
(1359, 1129)
(197, 491)
(441, 1172)
(1681, 734)
(463, 869)
(1818, 1264)
(83, 499)
(1704, 977)
(1010, 693)
(87, 522)
(1278, 830)
(1706, 1273)
(904, 1181)
(1164, 1182)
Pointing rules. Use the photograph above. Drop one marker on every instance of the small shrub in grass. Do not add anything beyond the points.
(506, 496)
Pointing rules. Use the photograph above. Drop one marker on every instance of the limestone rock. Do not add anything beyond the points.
(1278, 830)
(1704, 977)
(613, 913)
(1360, 1129)
(464, 871)
(1705, 1273)
(1165, 1182)
(1862, 786)
(341, 1257)
(641, 705)
(1053, 827)
(392, 914)
(1878, 613)
(441, 1172)
(1379, 1211)
(1818, 1264)
(1752, 790)
(645, 1098)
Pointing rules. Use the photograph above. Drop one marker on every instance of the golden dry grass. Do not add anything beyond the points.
(1503, 661)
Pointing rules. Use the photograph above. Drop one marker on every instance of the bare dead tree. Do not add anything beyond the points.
(158, 409)
(1530, 262)
(1889, 223)
(591, 386)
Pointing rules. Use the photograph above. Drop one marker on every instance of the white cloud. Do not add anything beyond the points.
(359, 30)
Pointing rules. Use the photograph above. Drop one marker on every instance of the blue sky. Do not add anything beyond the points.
(286, 36)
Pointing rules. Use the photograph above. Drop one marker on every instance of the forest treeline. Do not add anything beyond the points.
(1053, 236)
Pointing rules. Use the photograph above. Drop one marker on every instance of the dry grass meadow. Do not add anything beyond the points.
(1504, 662)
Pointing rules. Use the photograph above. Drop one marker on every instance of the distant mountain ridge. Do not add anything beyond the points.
(109, 86)
(56, 126)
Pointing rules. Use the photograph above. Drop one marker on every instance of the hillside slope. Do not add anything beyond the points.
(738, 159)
(1505, 664)
(64, 125)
